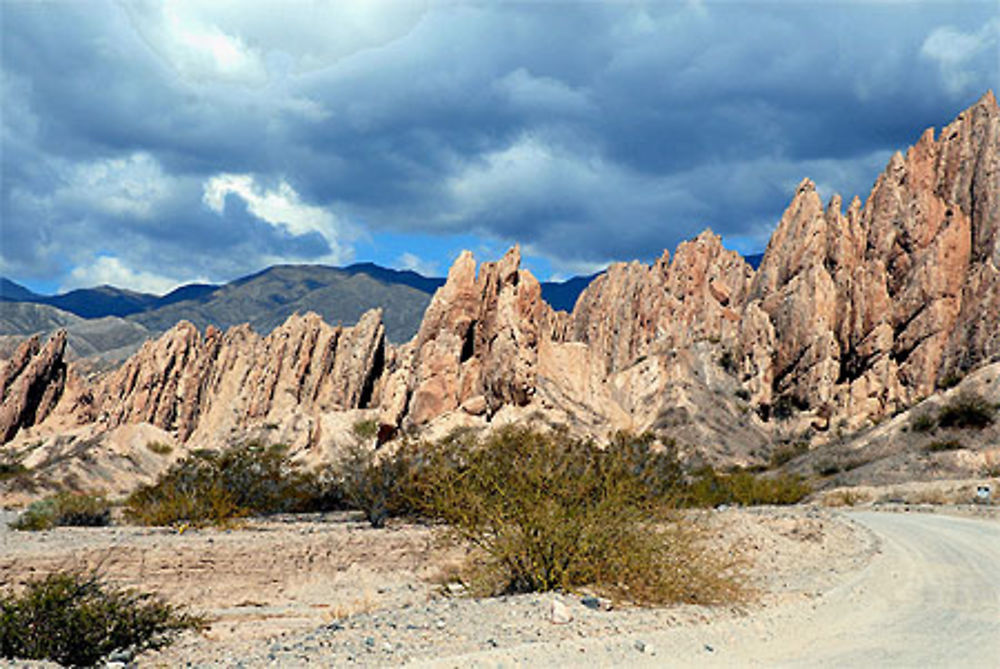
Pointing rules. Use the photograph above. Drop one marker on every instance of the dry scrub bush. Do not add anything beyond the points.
(709, 488)
(374, 483)
(966, 410)
(65, 509)
(786, 453)
(211, 487)
(846, 497)
(551, 512)
(991, 465)
(923, 422)
(159, 448)
(929, 496)
(76, 620)
(943, 445)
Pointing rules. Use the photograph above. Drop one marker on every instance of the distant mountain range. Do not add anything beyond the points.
(113, 321)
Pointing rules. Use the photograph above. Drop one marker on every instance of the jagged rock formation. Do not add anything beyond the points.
(851, 315)
(477, 347)
(863, 312)
(633, 310)
(31, 383)
(183, 381)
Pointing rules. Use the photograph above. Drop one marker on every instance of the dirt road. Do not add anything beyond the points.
(931, 597)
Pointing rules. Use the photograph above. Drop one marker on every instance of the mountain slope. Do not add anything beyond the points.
(9, 290)
(268, 298)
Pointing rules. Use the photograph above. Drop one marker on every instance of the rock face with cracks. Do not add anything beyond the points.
(31, 383)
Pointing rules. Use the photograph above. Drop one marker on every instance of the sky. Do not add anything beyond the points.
(151, 144)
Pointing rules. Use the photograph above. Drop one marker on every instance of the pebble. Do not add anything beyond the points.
(559, 613)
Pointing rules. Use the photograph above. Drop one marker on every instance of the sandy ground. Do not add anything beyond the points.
(852, 588)
(328, 589)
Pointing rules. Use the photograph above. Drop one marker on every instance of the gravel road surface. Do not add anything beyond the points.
(930, 598)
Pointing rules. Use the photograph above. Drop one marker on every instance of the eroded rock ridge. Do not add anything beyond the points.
(853, 313)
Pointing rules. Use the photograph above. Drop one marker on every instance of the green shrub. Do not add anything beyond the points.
(923, 422)
(827, 468)
(787, 452)
(727, 361)
(551, 512)
(709, 488)
(966, 410)
(210, 487)
(10, 465)
(375, 485)
(365, 430)
(65, 509)
(943, 445)
(949, 381)
(159, 448)
(75, 619)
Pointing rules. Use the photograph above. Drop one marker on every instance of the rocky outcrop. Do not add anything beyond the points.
(477, 347)
(186, 383)
(31, 383)
(634, 310)
(853, 313)
(862, 312)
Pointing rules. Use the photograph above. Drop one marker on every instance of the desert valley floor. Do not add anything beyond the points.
(866, 588)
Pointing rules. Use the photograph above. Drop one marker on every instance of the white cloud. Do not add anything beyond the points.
(281, 208)
(953, 50)
(417, 264)
(197, 48)
(247, 42)
(130, 186)
(109, 270)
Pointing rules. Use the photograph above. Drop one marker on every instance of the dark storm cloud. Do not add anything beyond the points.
(203, 140)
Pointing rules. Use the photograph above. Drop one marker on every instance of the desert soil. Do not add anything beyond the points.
(328, 589)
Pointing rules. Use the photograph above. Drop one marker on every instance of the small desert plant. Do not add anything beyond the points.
(10, 465)
(949, 381)
(210, 487)
(75, 619)
(845, 497)
(365, 430)
(375, 485)
(787, 452)
(65, 509)
(709, 488)
(966, 410)
(943, 445)
(159, 448)
(929, 496)
(923, 422)
(727, 361)
(991, 465)
(551, 512)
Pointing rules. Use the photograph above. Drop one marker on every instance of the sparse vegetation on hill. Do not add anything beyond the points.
(966, 410)
(77, 620)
